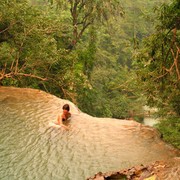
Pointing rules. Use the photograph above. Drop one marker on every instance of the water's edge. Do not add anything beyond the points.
(31, 149)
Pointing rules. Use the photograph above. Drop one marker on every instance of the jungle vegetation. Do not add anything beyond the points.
(109, 57)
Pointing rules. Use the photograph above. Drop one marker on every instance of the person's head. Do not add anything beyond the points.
(66, 107)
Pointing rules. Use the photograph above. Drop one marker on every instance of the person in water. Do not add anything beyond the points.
(64, 116)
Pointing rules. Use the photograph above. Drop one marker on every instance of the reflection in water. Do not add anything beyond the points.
(31, 149)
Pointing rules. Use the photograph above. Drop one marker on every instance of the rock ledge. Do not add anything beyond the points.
(159, 170)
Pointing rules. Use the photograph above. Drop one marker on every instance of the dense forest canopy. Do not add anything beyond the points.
(158, 70)
(158, 61)
(66, 47)
(109, 57)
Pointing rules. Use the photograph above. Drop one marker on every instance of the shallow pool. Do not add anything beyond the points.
(31, 149)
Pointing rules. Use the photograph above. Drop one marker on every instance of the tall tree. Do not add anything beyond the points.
(158, 61)
(84, 13)
(28, 49)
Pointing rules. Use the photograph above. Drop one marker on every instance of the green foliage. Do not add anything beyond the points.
(83, 14)
(86, 55)
(169, 15)
(81, 50)
(170, 129)
(115, 91)
(32, 50)
(157, 66)
(86, 52)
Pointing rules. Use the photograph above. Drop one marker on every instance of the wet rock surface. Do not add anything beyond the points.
(159, 170)
(32, 149)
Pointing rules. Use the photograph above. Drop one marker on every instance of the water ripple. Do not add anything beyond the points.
(31, 149)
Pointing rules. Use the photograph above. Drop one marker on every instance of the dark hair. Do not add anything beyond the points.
(66, 107)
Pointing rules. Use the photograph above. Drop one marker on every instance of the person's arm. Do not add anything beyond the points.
(59, 120)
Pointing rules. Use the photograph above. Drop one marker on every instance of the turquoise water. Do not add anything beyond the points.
(31, 149)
